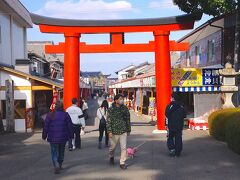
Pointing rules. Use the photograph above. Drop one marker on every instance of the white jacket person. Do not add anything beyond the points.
(76, 115)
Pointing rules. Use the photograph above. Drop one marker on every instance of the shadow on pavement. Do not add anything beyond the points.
(26, 156)
(13, 140)
(202, 158)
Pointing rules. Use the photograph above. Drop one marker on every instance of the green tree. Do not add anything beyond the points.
(216, 8)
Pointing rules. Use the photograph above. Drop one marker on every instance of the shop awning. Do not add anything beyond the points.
(36, 78)
(197, 89)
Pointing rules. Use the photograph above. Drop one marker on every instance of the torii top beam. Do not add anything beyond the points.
(55, 25)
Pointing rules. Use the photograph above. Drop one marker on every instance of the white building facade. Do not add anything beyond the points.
(14, 20)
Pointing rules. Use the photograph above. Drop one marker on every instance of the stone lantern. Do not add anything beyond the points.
(228, 87)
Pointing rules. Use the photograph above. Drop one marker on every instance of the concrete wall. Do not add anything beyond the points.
(23, 68)
(5, 41)
(12, 41)
(204, 102)
(20, 125)
(18, 94)
(19, 41)
(18, 81)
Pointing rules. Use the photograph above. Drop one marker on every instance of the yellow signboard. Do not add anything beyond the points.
(152, 106)
(186, 77)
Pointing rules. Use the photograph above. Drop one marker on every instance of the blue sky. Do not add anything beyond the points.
(106, 9)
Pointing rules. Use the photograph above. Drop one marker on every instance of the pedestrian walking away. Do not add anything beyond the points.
(78, 121)
(84, 107)
(175, 114)
(58, 129)
(102, 117)
(118, 127)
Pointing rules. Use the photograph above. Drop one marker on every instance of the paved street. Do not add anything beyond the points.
(26, 156)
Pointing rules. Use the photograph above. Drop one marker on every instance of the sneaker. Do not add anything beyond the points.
(123, 166)
(172, 153)
(70, 149)
(60, 167)
(111, 161)
(74, 147)
(56, 170)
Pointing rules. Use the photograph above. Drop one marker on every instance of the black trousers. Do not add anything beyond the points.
(102, 128)
(85, 113)
(174, 141)
(76, 131)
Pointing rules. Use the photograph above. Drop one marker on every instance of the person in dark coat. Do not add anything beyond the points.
(58, 129)
(175, 114)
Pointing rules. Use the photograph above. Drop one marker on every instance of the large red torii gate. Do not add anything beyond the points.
(161, 27)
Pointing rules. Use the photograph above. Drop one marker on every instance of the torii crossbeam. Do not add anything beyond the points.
(116, 47)
(160, 27)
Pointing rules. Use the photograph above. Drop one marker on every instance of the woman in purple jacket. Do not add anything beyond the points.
(58, 129)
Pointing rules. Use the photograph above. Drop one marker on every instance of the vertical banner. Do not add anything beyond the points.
(29, 119)
(10, 122)
(138, 98)
(55, 99)
(152, 106)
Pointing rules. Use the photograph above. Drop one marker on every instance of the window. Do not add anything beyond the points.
(188, 59)
(211, 50)
(197, 54)
(19, 109)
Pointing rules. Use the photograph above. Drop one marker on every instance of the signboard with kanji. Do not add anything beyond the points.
(210, 77)
(186, 77)
(193, 77)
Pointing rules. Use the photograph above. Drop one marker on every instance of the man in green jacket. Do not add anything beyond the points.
(118, 127)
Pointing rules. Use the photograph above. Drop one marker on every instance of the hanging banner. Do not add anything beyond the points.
(149, 81)
(152, 106)
(29, 115)
(55, 99)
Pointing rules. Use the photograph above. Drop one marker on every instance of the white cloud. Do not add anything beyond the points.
(164, 5)
(85, 9)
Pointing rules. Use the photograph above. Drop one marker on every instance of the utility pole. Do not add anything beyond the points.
(10, 106)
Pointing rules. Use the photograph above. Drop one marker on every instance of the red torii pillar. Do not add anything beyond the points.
(163, 74)
(71, 75)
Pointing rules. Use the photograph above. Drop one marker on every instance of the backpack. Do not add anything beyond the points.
(102, 120)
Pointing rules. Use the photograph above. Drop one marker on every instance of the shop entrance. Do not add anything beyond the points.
(43, 101)
(188, 101)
